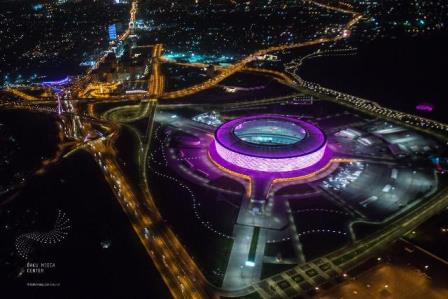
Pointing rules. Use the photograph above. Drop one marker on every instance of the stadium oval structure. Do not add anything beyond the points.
(269, 143)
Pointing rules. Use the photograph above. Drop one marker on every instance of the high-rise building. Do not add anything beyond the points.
(112, 29)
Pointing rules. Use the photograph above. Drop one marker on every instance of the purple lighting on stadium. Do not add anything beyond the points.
(270, 164)
(269, 144)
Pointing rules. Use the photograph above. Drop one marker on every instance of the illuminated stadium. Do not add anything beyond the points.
(270, 144)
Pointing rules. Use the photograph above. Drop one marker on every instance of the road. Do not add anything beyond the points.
(156, 80)
(83, 81)
(180, 273)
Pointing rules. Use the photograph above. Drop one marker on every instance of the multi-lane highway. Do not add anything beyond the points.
(178, 270)
(156, 80)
